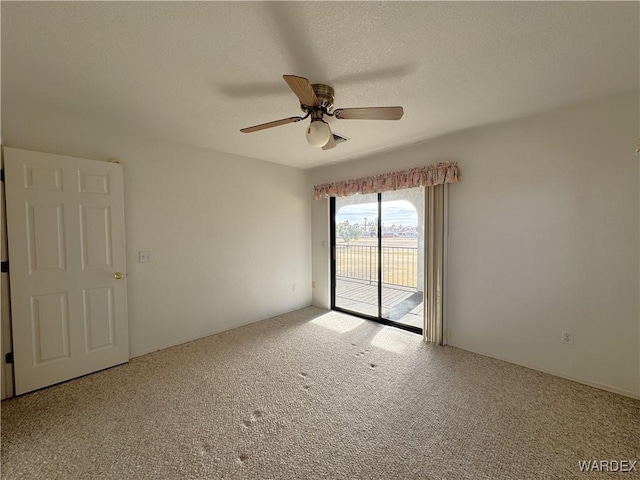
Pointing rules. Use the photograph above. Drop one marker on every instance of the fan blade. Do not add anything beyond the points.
(276, 123)
(330, 143)
(369, 113)
(303, 90)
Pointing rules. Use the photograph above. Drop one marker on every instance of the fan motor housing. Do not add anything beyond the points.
(325, 96)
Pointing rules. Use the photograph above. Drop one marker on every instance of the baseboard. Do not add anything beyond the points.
(601, 386)
(209, 333)
(192, 338)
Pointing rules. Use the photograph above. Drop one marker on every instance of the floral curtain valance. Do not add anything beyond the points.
(416, 177)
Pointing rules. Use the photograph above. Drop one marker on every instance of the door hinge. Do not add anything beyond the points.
(1, 174)
(8, 358)
(4, 267)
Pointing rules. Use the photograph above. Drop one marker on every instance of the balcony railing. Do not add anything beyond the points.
(360, 262)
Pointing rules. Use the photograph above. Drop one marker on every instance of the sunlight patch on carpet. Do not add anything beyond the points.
(393, 340)
(338, 323)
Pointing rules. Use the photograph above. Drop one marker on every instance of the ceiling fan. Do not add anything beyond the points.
(316, 100)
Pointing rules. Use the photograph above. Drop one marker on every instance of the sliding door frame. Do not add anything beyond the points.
(378, 318)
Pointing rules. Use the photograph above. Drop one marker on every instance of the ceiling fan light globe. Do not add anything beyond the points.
(318, 133)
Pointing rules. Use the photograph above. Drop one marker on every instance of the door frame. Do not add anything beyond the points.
(332, 235)
(6, 339)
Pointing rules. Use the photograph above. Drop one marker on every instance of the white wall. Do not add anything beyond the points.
(544, 237)
(230, 235)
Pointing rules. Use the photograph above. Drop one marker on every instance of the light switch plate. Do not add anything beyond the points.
(144, 257)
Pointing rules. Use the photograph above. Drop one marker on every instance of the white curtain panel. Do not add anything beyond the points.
(436, 213)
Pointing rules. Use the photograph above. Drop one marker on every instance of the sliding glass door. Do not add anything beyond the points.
(355, 254)
(377, 262)
(402, 256)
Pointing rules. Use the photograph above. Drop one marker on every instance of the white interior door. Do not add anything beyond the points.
(65, 218)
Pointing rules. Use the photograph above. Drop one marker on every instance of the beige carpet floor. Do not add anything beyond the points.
(316, 395)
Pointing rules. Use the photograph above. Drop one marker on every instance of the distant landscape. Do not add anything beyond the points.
(358, 224)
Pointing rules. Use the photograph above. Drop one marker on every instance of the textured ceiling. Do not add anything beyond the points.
(197, 72)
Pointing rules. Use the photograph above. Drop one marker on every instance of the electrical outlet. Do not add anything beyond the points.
(567, 337)
(293, 287)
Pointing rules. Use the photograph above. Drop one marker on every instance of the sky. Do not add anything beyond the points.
(394, 212)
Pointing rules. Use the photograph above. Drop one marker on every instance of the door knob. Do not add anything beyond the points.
(118, 275)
